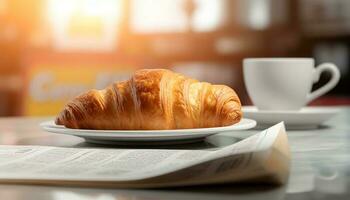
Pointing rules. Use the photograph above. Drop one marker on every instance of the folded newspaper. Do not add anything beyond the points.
(263, 157)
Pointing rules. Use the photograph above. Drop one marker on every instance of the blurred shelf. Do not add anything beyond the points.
(327, 30)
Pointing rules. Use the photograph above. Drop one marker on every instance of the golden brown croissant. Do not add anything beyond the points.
(153, 99)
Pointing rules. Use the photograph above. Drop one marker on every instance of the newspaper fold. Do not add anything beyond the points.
(263, 157)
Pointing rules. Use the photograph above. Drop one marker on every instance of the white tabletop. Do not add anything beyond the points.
(320, 166)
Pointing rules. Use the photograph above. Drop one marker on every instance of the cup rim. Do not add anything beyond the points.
(279, 59)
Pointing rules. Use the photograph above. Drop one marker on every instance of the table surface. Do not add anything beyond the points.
(320, 166)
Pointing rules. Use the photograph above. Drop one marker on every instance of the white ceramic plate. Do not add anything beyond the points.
(144, 136)
(306, 118)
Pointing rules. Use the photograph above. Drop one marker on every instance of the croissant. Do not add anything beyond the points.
(153, 99)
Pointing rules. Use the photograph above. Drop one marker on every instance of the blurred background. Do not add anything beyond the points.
(52, 50)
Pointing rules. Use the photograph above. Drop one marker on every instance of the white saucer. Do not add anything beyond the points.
(146, 136)
(306, 118)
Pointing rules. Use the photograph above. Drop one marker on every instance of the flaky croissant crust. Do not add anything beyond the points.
(153, 99)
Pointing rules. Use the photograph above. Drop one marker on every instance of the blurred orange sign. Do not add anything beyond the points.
(50, 86)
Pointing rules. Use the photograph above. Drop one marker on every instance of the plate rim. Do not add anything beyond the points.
(294, 120)
(144, 134)
(307, 110)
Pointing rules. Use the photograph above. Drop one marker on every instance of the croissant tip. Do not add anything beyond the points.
(58, 121)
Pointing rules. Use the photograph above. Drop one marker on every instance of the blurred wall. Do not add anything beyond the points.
(52, 50)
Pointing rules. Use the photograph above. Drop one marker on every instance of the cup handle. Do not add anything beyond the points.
(328, 86)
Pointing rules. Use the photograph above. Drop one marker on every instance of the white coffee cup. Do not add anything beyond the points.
(285, 83)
